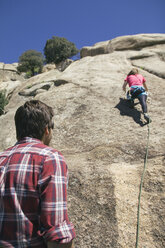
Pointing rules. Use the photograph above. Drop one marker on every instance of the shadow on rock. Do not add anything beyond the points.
(94, 210)
(126, 109)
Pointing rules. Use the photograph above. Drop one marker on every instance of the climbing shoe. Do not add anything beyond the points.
(148, 119)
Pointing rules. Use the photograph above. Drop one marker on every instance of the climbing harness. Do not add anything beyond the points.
(141, 184)
(136, 92)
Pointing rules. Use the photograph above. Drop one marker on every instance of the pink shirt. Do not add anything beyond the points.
(137, 79)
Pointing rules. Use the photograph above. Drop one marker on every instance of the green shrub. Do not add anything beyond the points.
(31, 62)
(58, 49)
(3, 101)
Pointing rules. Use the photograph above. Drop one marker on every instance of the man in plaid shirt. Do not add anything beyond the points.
(33, 185)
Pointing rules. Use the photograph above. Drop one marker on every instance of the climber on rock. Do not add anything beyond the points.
(138, 89)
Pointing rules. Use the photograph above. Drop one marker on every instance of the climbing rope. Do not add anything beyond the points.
(141, 184)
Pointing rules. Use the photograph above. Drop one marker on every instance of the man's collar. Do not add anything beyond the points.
(28, 140)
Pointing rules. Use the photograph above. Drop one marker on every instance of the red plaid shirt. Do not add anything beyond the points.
(33, 196)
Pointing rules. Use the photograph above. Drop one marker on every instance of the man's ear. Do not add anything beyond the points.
(45, 137)
(46, 130)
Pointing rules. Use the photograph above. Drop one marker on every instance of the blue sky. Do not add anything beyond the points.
(28, 24)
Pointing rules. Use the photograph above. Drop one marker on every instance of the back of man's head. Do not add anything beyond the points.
(32, 118)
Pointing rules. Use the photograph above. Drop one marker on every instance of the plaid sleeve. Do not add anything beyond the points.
(54, 220)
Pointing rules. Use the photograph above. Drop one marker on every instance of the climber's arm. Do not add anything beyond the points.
(145, 86)
(124, 85)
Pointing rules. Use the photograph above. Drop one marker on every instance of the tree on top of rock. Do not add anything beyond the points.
(58, 49)
(31, 62)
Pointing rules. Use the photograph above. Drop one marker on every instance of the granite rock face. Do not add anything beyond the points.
(104, 141)
(124, 43)
(48, 67)
(8, 72)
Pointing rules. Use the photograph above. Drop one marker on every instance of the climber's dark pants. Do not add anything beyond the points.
(142, 99)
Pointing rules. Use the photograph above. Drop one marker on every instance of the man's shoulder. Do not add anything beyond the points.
(34, 148)
(6, 151)
(48, 151)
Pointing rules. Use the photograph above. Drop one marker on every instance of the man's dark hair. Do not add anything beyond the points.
(32, 118)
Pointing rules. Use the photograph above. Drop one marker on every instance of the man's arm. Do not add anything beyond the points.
(53, 196)
(58, 245)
